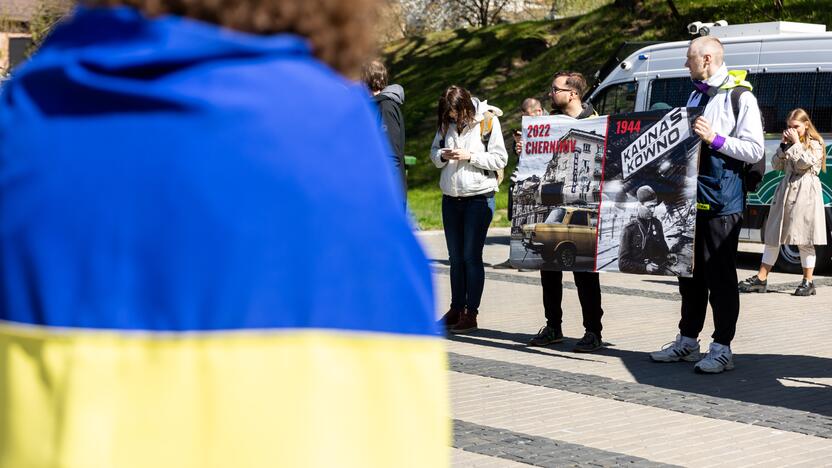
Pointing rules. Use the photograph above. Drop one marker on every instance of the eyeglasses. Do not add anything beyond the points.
(556, 90)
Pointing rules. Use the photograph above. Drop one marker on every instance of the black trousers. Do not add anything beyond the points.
(714, 279)
(589, 293)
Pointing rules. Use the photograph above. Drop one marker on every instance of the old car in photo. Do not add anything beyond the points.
(568, 232)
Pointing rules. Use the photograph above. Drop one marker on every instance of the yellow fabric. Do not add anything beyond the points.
(83, 399)
(737, 80)
(486, 124)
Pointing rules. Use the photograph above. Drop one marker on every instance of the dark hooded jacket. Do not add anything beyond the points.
(389, 102)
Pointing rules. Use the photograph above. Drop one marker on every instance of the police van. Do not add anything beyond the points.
(789, 65)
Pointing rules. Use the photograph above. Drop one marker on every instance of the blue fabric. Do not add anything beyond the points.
(168, 174)
(719, 184)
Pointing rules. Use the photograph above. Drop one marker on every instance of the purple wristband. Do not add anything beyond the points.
(719, 140)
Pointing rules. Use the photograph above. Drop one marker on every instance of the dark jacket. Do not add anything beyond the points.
(588, 111)
(642, 242)
(390, 117)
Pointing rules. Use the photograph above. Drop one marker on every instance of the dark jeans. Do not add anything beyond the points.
(466, 221)
(589, 293)
(714, 279)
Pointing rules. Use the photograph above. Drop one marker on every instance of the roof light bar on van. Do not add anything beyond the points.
(772, 28)
(698, 28)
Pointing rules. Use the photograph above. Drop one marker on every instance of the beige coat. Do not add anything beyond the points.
(796, 216)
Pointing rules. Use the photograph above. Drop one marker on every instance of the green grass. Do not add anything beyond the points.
(509, 62)
(425, 203)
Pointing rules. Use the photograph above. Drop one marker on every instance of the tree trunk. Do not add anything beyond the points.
(673, 10)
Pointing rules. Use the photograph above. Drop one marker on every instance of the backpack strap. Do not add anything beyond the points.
(736, 94)
(486, 124)
(751, 174)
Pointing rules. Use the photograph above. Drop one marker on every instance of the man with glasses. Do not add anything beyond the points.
(566, 93)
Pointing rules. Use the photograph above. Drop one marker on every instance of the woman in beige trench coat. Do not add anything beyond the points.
(796, 216)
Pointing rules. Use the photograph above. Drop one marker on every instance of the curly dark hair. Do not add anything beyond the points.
(342, 33)
(457, 99)
(374, 75)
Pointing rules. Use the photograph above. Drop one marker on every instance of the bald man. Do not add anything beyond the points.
(730, 139)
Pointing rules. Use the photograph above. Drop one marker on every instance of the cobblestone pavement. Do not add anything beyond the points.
(515, 405)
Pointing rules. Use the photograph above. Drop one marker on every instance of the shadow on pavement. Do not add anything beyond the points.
(765, 379)
(757, 378)
(498, 240)
(519, 343)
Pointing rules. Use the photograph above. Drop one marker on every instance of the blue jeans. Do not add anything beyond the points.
(466, 221)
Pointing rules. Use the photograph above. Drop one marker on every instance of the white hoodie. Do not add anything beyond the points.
(476, 176)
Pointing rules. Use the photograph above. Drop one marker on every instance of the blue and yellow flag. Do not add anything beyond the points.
(203, 260)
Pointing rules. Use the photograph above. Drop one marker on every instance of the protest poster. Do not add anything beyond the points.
(614, 193)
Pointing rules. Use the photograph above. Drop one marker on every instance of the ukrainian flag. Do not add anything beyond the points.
(203, 260)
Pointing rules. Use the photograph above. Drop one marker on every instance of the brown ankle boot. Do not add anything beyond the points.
(467, 323)
(450, 319)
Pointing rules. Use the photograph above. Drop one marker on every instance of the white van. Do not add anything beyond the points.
(789, 64)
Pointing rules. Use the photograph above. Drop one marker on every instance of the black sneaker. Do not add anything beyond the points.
(589, 343)
(753, 284)
(506, 265)
(546, 336)
(805, 288)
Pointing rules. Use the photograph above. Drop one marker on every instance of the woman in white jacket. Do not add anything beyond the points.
(796, 216)
(468, 182)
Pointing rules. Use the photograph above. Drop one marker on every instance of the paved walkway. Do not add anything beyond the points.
(515, 405)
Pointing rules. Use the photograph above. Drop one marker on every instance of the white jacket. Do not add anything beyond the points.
(746, 143)
(478, 175)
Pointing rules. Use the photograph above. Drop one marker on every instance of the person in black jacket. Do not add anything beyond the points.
(643, 248)
(388, 99)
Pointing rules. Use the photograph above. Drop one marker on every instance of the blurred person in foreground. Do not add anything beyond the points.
(159, 169)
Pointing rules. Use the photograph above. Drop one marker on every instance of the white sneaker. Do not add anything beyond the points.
(679, 350)
(718, 359)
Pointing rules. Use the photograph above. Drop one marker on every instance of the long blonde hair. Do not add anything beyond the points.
(811, 132)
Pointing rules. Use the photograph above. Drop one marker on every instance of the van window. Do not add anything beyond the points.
(616, 99)
(669, 92)
(821, 113)
(778, 93)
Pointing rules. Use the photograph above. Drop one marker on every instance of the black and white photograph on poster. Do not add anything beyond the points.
(556, 193)
(648, 199)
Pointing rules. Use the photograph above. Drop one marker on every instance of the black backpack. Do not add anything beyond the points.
(752, 174)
